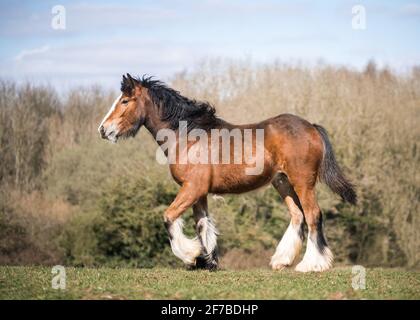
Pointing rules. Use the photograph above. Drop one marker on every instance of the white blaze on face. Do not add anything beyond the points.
(110, 111)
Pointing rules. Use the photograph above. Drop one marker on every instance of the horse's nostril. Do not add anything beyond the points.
(102, 131)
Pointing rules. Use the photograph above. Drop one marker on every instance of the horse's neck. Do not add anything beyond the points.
(154, 124)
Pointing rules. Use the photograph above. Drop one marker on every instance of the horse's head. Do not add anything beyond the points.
(127, 113)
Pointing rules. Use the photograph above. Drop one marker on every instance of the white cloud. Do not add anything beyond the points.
(100, 62)
(30, 52)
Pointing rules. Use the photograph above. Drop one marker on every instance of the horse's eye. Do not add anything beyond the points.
(124, 101)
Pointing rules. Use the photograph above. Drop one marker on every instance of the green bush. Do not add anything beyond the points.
(127, 227)
(130, 225)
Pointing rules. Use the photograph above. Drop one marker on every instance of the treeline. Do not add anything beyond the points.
(66, 196)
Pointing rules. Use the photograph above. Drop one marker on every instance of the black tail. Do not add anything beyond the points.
(330, 173)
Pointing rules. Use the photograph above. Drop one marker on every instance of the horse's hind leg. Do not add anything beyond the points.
(207, 234)
(318, 257)
(291, 242)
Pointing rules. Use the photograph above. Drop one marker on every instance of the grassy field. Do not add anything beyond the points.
(104, 283)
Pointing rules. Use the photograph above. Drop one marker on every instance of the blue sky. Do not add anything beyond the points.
(104, 39)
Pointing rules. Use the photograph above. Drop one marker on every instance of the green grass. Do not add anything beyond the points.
(105, 283)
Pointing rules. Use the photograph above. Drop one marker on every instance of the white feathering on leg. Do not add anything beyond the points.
(288, 248)
(185, 249)
(208, 233)
(314, 260)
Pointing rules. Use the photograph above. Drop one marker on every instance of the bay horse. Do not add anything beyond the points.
(296, 154)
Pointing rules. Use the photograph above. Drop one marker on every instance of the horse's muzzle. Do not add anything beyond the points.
(102, 132)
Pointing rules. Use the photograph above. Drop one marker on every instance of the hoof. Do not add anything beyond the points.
(318, 267)
(280, 262)
(278, 266)
(317, 262)
(207, 262)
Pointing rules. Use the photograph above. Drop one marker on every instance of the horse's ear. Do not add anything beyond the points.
(127, 84)
(134, 84)
(132, 81)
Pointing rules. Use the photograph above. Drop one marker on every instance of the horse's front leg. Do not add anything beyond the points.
(185, 249)
(207, 234)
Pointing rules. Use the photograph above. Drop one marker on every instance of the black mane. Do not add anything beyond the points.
(174, 107)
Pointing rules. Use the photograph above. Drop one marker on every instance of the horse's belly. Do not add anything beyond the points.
(234, 179)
